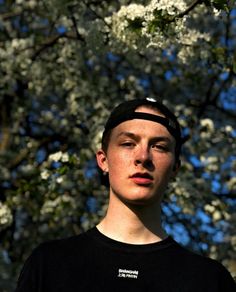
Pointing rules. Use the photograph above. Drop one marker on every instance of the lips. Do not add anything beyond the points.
(142, 178)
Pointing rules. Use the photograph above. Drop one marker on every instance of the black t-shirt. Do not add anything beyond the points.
(92, 262)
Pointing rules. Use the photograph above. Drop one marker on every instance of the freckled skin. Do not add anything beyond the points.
(139, 146)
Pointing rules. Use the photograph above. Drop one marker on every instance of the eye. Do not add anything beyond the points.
(127, 144)
(160, 147)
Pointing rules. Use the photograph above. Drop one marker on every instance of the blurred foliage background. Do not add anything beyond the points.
(64, 66)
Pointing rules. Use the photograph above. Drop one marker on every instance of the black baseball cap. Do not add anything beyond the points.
(126, 111)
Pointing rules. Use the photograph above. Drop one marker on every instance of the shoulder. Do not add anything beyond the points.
(64, 246)
(68, 242)
(54, 252)
(53, 259)
(188, 257)
(204, 268)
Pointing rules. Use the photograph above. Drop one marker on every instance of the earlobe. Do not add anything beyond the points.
(102, 160)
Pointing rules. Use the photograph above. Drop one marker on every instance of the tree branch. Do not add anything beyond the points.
(52, 41)
(190, 8)
(79, 36)
(5, 114)
(95, 13)
(22, 155)
(225, 196)
(8, 15)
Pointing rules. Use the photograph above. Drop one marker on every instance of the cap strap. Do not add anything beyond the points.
(170, 125)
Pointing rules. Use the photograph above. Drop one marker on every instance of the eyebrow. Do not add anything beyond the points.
(137, 137)
(128, 134)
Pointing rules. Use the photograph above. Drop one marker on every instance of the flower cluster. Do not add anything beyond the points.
(59, 156)
(158, 24)
(58, 204)
(5, 216)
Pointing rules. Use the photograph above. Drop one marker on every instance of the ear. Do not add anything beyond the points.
(102, 160)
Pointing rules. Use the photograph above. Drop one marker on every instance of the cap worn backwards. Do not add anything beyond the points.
(126, 111)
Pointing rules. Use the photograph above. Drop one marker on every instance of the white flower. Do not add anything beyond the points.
(56, 156)
(209, 208)
(59, 179)
(208, 124)
(49, 206)
(65, 157)
(131, 11)
(32, 4)
(171, 6)
(216, 216)
(228, 129)
(211, 163)
(45, 174)
(232, 183)
(59, 156)
(5, 216)
(97, 140)
(58, 204)
(148, 30)
(121, 21)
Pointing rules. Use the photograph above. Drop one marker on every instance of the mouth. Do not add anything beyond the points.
(142, 178)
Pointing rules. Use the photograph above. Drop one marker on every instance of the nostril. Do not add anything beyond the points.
(137, 161)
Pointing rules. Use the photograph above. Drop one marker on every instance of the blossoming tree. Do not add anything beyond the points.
(64, 65)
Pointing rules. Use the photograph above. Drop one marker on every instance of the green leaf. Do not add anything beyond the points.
(161, 21)
(220, 4)
(63, 169)
(136, 24)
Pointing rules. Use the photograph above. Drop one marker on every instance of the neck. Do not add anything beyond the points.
(134, 224)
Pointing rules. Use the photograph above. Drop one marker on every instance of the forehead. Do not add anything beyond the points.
(141, 127)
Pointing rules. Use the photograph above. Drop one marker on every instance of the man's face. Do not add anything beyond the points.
(140, 160)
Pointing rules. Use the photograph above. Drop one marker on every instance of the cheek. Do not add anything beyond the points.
(118, 162)
(166, 165)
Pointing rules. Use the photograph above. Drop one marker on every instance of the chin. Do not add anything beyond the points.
(141, 197)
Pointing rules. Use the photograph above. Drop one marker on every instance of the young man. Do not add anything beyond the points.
(128, 250)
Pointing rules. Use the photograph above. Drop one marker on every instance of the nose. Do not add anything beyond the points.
(143, 156)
